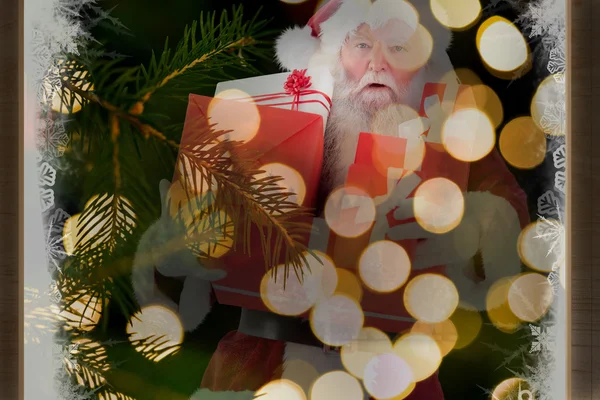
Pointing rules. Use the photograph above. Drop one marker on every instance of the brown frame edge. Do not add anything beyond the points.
(583, 355)
(11, 213)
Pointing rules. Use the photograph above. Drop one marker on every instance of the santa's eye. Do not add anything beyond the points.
(397, 49)
(363, 46)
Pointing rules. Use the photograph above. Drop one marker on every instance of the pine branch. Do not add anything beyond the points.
(264, 203)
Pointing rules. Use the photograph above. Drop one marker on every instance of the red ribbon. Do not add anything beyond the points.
(296, 85)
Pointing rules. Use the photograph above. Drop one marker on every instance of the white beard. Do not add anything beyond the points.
(353, 113)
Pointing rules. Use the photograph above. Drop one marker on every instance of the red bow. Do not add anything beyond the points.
(295, 83)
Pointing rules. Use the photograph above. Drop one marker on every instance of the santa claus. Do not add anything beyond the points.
(380, 53)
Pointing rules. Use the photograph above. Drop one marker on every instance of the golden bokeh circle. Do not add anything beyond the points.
(292, 180)
(549, 96)
(541, 253)
(513, 388)
(337, 320)
(300, 372)
(421, 352)
(283, 293)
(456, 15)
(384, 266)
(241, 118)
(468, 323)
(336, 385)
(349, 211)
(430, 298)
(501, 45)
(280, 389)
(444, 333)
(348, 284)
(387, 376)
(530, 296)
(522, 143)
(468, 134)
(438, 205)
(155, 323)
(356, 355)
(486, 100)
(497, 306)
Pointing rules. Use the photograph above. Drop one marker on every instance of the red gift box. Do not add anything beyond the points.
(380, 165)
(280, 134)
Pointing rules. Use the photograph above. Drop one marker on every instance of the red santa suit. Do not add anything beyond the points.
(243, 363)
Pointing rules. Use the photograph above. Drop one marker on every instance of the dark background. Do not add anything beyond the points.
(150, 22)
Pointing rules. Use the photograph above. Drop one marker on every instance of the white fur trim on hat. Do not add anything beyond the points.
(295, 47)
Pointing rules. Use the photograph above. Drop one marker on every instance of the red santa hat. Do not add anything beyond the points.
(318, 43)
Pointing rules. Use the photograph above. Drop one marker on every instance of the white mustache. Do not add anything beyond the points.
(381, 79)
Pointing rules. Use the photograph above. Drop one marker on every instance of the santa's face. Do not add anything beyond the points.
(374, 71)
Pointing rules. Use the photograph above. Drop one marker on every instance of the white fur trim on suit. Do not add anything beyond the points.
(296, 46)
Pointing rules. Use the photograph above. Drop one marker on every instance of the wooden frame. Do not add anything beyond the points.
(584, 88)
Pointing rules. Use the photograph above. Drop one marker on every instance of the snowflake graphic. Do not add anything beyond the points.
(547, 204)
(47, 175)
(560, 181)
(553, 121)
(542, 338)
(559, 156)
(55, 252)
(52, 139)
(557, 64)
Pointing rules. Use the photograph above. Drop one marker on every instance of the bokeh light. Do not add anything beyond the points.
(438, 205)
(221, 240)
(87, 361)
(81, 312)
(548, 107)
(280, 389)
(62, 97)
(384, 266)
(444, 333)
(406, 392)
(464, 75)
(293, 1)
(74, 236)
(522, 143)
(288, 295)
(540, 253)
(241, 117)
(394, 120)
(467, 322)
(195, 183)
(456, 15)
(336, 385)
(300, 372)
(421, 352)
(486, 100)
(356, 355)
(430, 298)
(337, 320)
(387, 376)
(512, 388)
(497, 306)
(420, 45)
(349, 211)
(468, 134)
(348, 284)
(501, 45)
(292, 180)
(156, 331)
(530, 296)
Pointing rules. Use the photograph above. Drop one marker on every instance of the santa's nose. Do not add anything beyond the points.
(378, 62)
